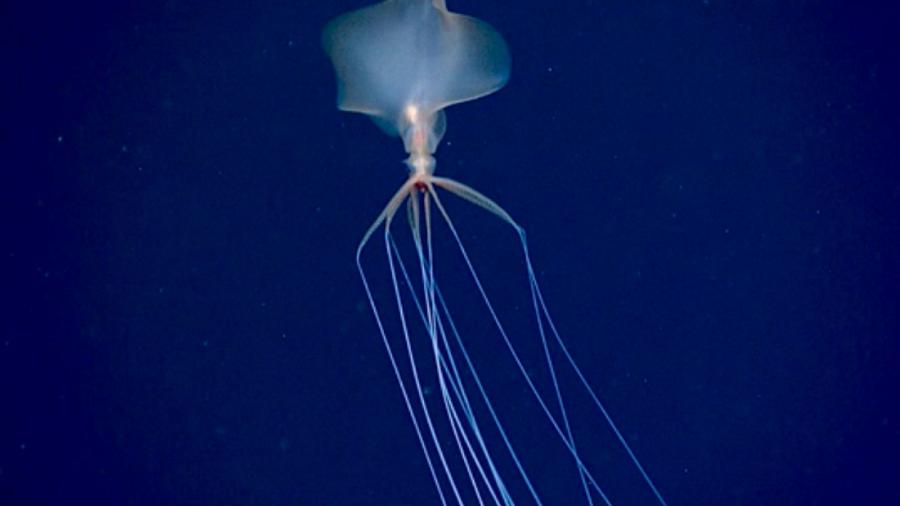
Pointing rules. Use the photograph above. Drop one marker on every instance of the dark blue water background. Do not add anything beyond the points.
(709, 187)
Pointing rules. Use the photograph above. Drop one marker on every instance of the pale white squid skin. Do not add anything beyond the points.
(401, 62)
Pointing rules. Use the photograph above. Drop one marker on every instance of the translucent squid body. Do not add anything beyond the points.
(402, 62)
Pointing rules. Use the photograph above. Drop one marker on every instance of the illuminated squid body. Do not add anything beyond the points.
(401, 62)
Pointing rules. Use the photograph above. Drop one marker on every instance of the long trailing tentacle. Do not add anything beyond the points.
(432, 311)
(385, 218)
(474, 196)
(481, 200)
